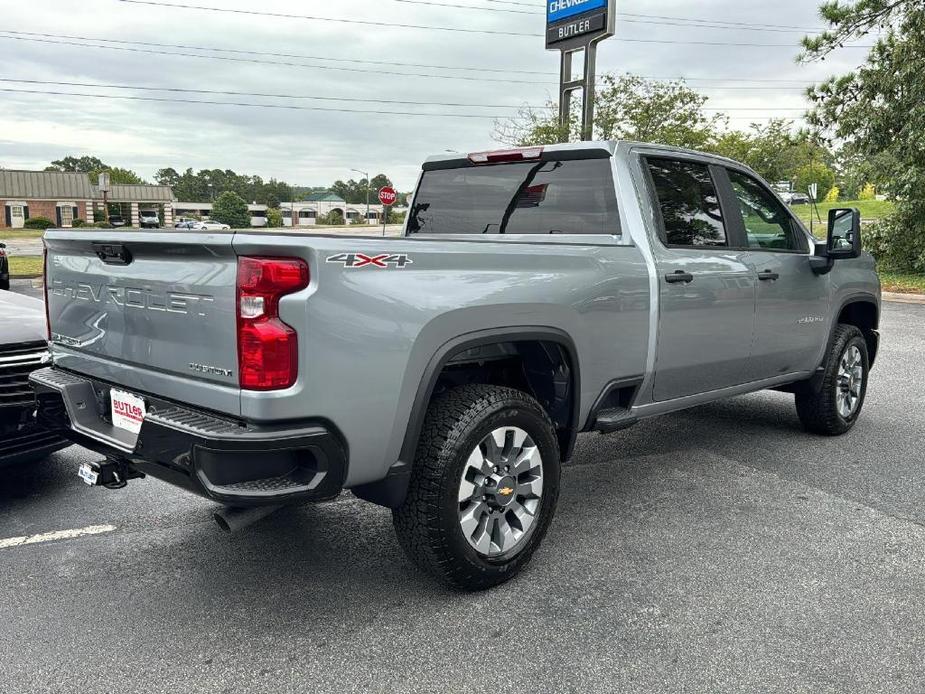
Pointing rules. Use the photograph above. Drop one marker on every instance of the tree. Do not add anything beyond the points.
(231, 209)
(814, 173)
(878, 110)
(627, 107)
(274, 218)
(94, 166)
(774, 149)
(77, 164)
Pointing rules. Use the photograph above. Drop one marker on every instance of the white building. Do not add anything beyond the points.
(320, 205)
(203, 210)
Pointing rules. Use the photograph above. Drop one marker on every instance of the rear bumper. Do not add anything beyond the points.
(221, 458)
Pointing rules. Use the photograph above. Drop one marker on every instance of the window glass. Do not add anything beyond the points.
(67, 215)
(767, 223)
(534, 197)
(688, 202)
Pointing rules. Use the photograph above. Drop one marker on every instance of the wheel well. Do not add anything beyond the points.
(540, 368)
(863, 315)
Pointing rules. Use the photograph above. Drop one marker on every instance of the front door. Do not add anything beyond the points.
(792, 322)
(707, 288)
(17, 216)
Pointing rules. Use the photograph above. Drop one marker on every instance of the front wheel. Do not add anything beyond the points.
(483, 488)
(836, 406)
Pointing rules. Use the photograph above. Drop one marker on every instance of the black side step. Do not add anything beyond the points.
(614, 419)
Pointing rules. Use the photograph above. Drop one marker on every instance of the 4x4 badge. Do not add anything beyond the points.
(383, 261)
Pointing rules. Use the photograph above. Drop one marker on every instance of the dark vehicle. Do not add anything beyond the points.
(799, 199)
(116, 220)
(4, 268)
(23, 349)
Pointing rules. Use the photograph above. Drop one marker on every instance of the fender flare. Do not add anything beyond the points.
(858, 298)
(391, 490)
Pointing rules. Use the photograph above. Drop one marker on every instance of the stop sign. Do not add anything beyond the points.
(387, 196)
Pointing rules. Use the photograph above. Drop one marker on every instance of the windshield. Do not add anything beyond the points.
(540, 197)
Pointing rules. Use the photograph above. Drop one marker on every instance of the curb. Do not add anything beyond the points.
(26, 277)
(899, 298)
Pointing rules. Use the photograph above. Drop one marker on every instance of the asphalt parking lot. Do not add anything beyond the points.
(716, 550)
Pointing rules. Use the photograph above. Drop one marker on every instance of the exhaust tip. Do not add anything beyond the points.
(231, 519)
(219, 519)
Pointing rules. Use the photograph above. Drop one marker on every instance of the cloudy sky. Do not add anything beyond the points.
(109, 44)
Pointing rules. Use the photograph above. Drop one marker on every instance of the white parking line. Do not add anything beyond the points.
(55, 535)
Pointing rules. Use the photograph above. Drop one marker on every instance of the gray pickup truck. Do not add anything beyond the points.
(535, 294)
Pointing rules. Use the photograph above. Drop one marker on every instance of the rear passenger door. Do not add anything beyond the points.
(707, 288)
(792, 317)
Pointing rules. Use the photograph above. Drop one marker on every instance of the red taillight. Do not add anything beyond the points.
(268, 349)
(45, 289)
(506, 155)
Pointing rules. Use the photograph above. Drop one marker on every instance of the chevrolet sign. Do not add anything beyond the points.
(572, 24)
(557, 10)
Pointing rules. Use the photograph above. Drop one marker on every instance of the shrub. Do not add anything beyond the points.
(42, 223)
(77, 223)
(868, 192)
(231, 209)
(898, 241)
(333, 218)
(274, 218)
(833, 194)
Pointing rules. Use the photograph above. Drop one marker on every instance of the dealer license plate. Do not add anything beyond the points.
(128, 411)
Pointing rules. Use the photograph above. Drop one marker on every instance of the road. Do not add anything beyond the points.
(715, 550)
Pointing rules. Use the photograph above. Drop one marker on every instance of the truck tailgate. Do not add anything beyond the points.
(152, 311)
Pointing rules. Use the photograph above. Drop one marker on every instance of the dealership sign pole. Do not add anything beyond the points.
(573, 26)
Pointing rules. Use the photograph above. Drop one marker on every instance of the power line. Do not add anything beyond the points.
(303, 56)
(635, 18)
(183, 90)
(291, 107)
(364, 22)
(257, 61)
(400, 25)
(56, 40)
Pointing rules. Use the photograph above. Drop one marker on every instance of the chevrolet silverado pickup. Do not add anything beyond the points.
(535, 294)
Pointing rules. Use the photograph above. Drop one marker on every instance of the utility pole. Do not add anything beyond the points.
(366, 176)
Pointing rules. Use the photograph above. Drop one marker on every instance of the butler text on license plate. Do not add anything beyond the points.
(128, 411)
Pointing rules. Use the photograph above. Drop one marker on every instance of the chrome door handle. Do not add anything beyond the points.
(768, 276)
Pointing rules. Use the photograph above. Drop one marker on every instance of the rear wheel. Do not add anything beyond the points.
(836, 406)
(483, 487)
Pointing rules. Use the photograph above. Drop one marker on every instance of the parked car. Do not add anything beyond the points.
(148, 219)
(205, 225)
(23, 349)
(4, 267)
(799, 199)
(537, 293)
(116, 221)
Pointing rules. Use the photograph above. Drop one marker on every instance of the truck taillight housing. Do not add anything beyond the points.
(268, 349)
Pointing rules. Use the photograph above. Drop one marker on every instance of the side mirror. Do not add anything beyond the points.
(844, 235)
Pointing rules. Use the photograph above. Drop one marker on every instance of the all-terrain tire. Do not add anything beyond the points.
(818, 410)
(428, 522)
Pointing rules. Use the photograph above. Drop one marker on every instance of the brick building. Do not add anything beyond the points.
(64, 197)
(61, 197)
